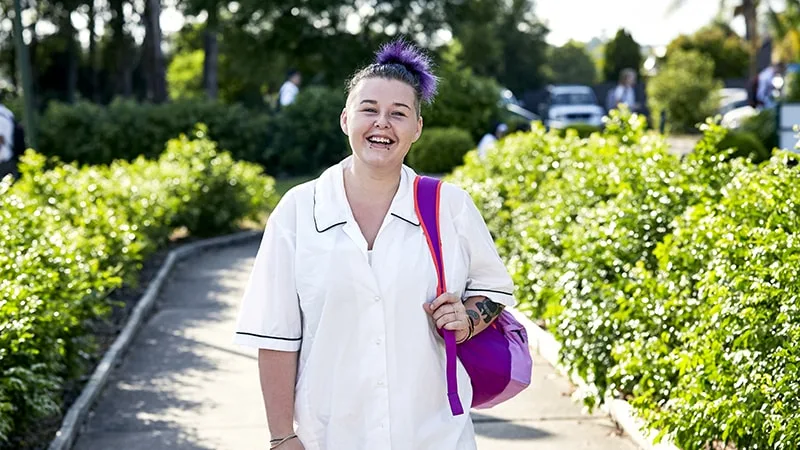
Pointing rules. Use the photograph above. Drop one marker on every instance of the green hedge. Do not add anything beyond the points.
(307, 136)
(302, 139)
(70, 236)
(465, 100)
(94, 134)
(745, 145)
(764, 125)
(439, 150)
(583, 130)
(670, 283)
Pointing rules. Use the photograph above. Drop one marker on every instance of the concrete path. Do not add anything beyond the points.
(184, 386)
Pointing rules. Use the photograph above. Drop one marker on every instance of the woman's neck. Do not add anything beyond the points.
(365, 183)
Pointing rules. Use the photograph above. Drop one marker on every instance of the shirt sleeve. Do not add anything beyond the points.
(7, 133)
(487, 275)
(269, 316)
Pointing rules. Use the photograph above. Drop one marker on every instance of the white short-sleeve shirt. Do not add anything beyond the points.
(7, 131)
(287, 93)
(371, 371)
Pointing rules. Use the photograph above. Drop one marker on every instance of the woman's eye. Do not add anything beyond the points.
(398, 113)
(372, 110)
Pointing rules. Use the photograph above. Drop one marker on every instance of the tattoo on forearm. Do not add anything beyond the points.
(489, 309)
(474, 317)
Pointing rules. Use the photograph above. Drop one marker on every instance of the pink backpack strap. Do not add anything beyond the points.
(427, 192)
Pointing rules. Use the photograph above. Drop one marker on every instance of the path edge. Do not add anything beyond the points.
(77, 413)
(620, 411)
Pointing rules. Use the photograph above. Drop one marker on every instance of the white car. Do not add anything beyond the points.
(566, 105)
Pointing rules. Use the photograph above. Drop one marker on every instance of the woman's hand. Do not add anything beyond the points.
(448, 312)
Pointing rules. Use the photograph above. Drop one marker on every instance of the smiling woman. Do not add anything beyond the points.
(344, 290)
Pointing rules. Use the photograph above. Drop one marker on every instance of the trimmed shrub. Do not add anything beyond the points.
(712, 357)
(670, 282)
(583, 130)
(439, 150)
(70, 235)
(465, 101)
(88, 133)
(764, 125)
(745, 145)
(307, 133)
(686, 89)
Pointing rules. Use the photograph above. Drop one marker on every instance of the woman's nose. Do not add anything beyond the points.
(382, 121)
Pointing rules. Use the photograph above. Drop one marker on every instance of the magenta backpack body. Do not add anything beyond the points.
(498, 359)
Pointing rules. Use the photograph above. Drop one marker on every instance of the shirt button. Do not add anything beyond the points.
(377, 341)
(377, 299)
(380, 382)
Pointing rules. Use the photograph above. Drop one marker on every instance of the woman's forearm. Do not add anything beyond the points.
(278, 373)
(482, 312)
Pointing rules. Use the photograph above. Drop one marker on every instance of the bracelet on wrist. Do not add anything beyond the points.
(471, 331)
(274, 443)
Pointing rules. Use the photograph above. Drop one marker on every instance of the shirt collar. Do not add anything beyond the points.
(332, 209)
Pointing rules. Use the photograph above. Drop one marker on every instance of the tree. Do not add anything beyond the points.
(622, 52)
(155, 72)
(23, 62)
(685, 89)
(785, 27)
(571, 63)
(719, 42)
(501, 39)
(745, 8)
(211, 33)
(121, 44)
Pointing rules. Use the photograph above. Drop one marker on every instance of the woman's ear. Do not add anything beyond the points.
(343, 120)
(419, 129)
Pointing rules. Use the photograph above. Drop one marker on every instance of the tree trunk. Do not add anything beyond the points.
(94, 88)
(748, 8)
(123, 79)
(211, 49)
(157, 75)
(69, 33)
(23, 61)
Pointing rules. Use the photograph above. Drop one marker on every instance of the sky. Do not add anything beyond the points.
(646, 20)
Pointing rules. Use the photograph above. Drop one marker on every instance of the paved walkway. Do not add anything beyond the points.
(184, 386)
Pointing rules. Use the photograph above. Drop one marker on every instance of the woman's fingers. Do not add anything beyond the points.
(444, 299)
(447, 319)
(448, 312)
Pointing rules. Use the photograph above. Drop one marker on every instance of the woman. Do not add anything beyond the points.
(344, 277)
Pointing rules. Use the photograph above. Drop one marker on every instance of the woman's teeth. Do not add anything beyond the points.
(377, 140)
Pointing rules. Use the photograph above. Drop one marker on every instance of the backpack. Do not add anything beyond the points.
(498, 359)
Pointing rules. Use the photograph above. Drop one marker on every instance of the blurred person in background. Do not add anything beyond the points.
(8, 163)
(624, 92)
(289, 89)
(489, 140)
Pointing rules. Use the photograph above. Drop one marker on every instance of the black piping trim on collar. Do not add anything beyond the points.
(314, 215)
(405, 220)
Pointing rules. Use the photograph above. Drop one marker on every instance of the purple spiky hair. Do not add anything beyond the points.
(415, 61)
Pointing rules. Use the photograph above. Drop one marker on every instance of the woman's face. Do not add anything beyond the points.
(381, 122)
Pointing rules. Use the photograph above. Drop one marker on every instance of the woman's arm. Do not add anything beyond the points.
(466, 318)
(481, 312)
(278, 372)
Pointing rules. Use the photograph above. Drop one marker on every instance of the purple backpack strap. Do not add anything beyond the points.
(426, 201)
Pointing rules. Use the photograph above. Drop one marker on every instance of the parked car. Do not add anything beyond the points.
(732, 98)
(513, 106)
(566, 105)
